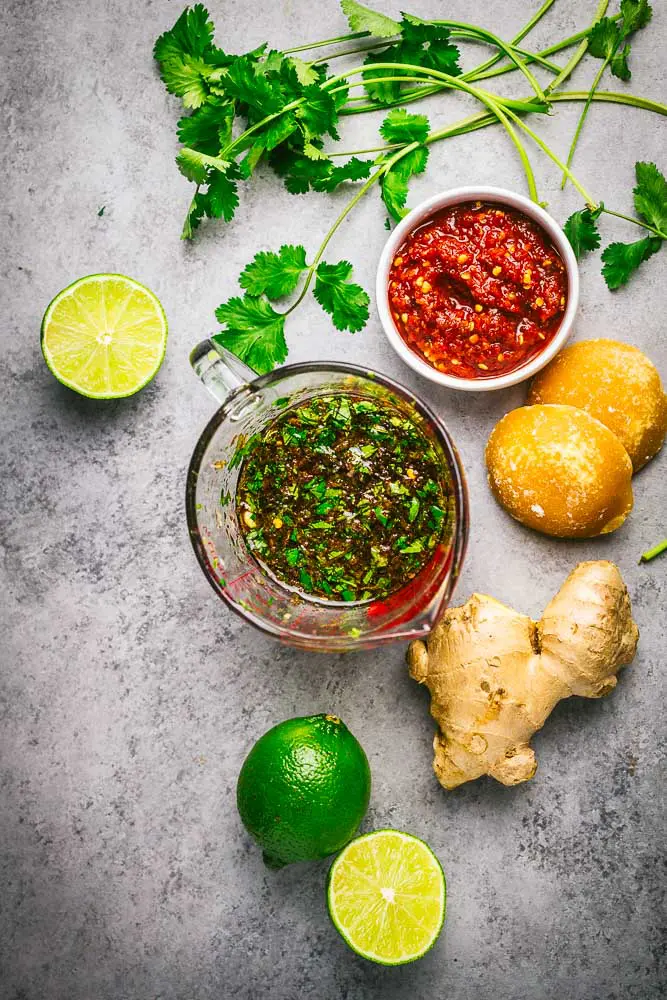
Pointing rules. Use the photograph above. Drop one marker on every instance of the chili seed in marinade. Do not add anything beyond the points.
(343, 497)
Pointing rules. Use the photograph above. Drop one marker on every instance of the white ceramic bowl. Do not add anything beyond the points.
(425, 211)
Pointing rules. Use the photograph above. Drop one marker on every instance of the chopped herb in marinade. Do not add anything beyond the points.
(343, 497)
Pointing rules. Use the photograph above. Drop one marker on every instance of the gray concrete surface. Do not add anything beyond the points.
(130, 695)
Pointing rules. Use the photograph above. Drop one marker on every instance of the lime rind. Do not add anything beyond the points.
(403, 841)
(71, 345)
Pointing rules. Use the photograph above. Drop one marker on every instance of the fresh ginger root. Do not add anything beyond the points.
(495, 675)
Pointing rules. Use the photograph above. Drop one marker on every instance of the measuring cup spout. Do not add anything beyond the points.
(220, 370)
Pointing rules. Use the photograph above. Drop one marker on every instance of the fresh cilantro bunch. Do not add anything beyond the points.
(621, 260)
(280, 99)
(268, 106)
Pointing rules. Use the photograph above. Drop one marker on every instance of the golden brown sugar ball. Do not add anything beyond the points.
(558, 470)
(617, 384)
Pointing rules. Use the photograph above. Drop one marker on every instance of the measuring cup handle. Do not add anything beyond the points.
(219, 369)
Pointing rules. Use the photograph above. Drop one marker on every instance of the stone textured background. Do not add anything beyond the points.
(130, 695)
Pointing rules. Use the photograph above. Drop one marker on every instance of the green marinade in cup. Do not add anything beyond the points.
(343, 497)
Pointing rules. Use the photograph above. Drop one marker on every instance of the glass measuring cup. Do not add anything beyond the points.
(247, 403)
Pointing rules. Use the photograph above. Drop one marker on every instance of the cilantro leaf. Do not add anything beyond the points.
(187, 56)
(636, 15)
(252, 158)
(582, 232)
(394, 183)
(619, 64)
(621, 260)
(651, 195)
(221, 197)
(279, 129)
(305, 73)
(400, 126)
(196, 213)
(255, 89)
(318, 114)
(354, 170)
(208, 129)
(361, 18)
(345, 301)
(186, 78)
(254, 332)
(603, 39)
(422, 44)
(430, 44)
(191, 35)
(195, 165)
(274, 274)
(301, 173)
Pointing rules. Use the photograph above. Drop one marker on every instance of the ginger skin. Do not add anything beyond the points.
(495, 675)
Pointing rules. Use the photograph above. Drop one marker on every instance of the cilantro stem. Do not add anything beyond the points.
(326, 41)
(637, 222)
(503, 46)
(529, 56)
(528, 27)
(655, 551)
(490, 101)
(552, 156)
(348, 208)
(612, 97)
(481, 72)
(584, 113)
(509, 102)
(580, 52)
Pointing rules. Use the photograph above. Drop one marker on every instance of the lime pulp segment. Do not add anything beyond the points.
(104, 336)
(386, 896)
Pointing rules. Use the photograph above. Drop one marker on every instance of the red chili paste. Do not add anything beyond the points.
(478, 291)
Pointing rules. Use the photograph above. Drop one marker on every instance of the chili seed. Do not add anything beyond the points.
(419, 282)
(501, 357)
(527, 276)
(562, 301)
(404, 317)
(478, 307)
(462, 258)
(398, 261)
(539, 301)
(465, 275)
(484, 367)
(497, 270)
(474, 338)
(249, 519)
(426, 287)
(471, 326)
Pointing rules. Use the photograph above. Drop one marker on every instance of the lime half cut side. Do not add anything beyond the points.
(104, 336)
(386, 896)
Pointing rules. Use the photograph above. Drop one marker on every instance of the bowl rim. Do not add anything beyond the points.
(421, 213)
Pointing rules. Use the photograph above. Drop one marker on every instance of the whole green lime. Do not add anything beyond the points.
(303, 789)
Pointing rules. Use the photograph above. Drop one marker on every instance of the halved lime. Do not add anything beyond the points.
(104, 336)
(386, 896)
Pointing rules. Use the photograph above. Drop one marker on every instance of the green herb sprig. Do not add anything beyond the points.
(621, 260)
(273, 107)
